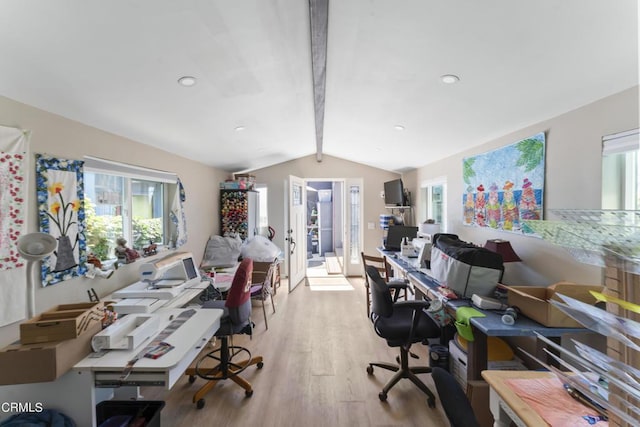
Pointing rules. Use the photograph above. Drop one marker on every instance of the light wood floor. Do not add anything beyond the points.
(315, 351)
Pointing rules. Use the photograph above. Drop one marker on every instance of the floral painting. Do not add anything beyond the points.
(505, 186)
(60, 191)
(13, 146)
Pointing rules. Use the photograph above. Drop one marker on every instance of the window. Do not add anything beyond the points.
(126, 201)
(620, 177)
(435, 201)
(263, 225)
(354, 224)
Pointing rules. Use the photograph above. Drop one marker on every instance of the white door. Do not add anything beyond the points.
(296, 233)
(353, 239)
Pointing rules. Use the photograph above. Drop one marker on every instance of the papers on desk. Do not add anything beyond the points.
(592, 380)
(223, 281)
(549, 399)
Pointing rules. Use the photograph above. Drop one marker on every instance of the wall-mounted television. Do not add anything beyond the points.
(394, 193)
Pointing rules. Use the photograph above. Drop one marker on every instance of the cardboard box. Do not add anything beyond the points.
(478, 394)
(62, 322)
(35, 363)
(532, 302)
(260, 271)
(458, 364)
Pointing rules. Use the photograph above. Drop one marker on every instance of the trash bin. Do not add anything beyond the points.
(439, 356)
(117, 413)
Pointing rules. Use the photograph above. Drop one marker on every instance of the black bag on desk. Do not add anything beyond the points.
(464, 267)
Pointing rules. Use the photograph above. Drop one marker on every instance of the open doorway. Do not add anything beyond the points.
(325, 227)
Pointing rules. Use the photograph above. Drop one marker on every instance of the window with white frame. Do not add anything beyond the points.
(434, 196)
(126, 201)
(620, 177)
(263, 205)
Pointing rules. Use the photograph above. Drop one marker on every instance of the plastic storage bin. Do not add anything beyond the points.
(116, 413)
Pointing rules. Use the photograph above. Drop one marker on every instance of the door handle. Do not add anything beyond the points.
(291, 241)
(293, 244)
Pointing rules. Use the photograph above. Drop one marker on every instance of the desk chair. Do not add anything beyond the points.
(454, 400)
(265, 288)
(388, 277)
(235, 320)
(379, 264)
(401, 324)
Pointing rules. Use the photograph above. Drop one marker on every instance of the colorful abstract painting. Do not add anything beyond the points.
(505, 186)
(60, 192)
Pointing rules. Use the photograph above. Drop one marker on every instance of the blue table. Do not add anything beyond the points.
(489, 326)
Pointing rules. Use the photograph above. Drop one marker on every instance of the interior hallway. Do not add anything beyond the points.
(315, 351)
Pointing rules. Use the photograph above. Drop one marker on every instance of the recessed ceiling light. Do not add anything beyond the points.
(239, 128)
(187, 81)
(449, 79)
(398, 127)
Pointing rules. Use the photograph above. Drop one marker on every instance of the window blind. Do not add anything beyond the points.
(95, 164)
(621, 142)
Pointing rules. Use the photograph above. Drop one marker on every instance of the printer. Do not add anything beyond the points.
(160, 280)
(422, 243)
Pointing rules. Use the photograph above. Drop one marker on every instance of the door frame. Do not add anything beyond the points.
(296, 232)
(348, 268)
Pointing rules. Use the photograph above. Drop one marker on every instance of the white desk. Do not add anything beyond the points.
(78, 391)
(149, 305)
(506, 406)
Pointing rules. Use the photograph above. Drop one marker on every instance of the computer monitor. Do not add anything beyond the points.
(395, 235)
(394, 193)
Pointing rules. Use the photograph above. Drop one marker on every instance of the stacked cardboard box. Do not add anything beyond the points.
(51, 343)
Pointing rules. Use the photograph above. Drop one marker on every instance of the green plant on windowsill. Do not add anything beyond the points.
(101, 249)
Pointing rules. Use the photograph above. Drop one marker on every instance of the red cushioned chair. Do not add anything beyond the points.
(221, 364)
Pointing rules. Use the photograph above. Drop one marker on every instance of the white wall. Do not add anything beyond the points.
(60, 137)
(573, 180)
(275, 178)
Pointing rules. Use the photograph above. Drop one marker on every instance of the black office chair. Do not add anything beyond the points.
(381, 264)
(236, 319)
(401, 324)
(454, 400)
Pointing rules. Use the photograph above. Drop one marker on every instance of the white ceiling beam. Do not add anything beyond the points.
(319, 16)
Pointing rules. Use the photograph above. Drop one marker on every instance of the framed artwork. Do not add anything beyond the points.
(13, 147)
(14, 144)
(60, 192)
(503, 187)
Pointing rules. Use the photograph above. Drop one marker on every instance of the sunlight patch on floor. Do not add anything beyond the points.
(329, 284)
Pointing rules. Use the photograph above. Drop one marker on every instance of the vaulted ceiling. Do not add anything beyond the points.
(115, 64)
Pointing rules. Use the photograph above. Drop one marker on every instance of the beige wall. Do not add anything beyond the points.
(275, 177)
(60, 137)
(573, 180)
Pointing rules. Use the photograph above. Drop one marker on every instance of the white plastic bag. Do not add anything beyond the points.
(221, 252)
(260, 249)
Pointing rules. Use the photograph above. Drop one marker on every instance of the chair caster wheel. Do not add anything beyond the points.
(192, 379)
(383, 396)
(431, 403)
(260, 365)
(370, 370)
(248, 393)
(200, 404)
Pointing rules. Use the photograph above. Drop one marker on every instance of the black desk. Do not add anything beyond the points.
(489, 326)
